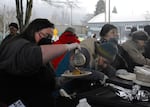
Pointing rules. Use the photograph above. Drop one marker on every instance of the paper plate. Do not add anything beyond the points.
(129, 76)
(141, 83)
(83, 74)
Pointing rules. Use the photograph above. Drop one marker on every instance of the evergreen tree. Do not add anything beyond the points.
(100, 7)
(114, 10)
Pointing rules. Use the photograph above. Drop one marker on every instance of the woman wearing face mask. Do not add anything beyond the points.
(109, 33)
(25, 73)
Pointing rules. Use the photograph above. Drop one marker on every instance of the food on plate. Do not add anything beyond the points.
(76, 72)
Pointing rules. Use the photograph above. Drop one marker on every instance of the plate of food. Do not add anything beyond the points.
(76, 73)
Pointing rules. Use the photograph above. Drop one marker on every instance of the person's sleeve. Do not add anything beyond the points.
(29, 58)
(137, 57)
(110, 71)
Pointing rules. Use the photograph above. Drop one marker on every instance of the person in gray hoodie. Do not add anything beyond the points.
(135, 48)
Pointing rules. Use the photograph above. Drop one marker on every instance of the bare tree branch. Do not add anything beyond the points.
(22, 18)
(28, 11)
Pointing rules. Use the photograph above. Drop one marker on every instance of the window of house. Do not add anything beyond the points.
(128, 28)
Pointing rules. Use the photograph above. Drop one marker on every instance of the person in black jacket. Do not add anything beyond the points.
(13, 31)
(25, 73)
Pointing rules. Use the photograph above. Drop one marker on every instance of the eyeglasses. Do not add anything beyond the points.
(45, 35)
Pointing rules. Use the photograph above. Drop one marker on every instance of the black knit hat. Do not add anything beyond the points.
(139, 35)
(106, 28)
(14, 25)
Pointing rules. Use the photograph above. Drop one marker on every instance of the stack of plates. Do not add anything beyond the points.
(140, 77)
(124, 74)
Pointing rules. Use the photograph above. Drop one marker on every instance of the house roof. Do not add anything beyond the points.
(100, 18)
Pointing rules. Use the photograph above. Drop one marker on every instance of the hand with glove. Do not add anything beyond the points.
(73, 46)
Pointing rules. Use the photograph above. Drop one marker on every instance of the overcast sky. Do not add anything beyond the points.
(42, 9)
(89, 5)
